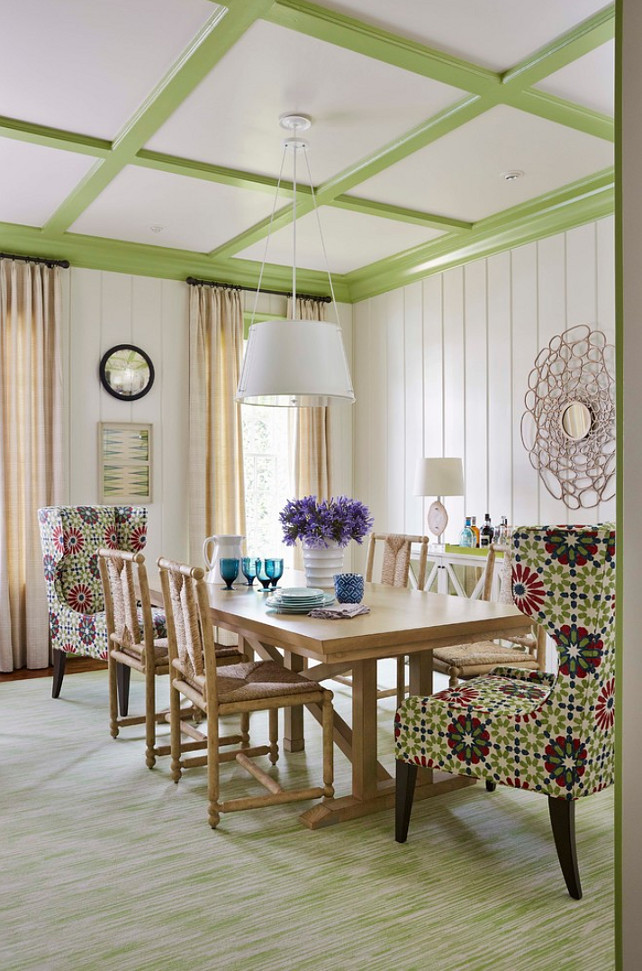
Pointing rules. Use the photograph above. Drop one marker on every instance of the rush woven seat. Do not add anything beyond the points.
(233, 689)
(463, 661)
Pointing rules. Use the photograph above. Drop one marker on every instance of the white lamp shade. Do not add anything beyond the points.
(439, 477)
(295, 363)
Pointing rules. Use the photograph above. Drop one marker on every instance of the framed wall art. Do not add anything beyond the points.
(124, 462)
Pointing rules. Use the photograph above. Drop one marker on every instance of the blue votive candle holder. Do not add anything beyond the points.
(348, 588)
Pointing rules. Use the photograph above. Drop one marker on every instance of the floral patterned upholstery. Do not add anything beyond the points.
(71, 537)
(550, 734)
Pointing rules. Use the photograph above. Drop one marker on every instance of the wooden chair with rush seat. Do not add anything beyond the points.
(235, 689)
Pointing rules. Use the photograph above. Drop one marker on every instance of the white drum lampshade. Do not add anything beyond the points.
(295, 363)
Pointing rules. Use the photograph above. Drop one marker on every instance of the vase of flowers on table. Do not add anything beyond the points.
(324, 527)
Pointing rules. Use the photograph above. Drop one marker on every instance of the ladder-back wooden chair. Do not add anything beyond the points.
(396, 561)
(463, 661)
(235, 689)
(131, 641)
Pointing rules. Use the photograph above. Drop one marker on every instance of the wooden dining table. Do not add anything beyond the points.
(400, 622)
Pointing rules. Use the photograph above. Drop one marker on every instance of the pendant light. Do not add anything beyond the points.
(294, 363)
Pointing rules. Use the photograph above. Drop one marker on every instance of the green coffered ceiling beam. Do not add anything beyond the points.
(460, 241)
(556, 212)
(342, 31)
(98, 253)
(418, 137)
(584, 38)
(486, 90)
(54, 138)
(216, 37)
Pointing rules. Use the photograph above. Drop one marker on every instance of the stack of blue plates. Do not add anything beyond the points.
(299, 600)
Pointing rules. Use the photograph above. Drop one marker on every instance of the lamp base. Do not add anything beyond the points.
(437, 519)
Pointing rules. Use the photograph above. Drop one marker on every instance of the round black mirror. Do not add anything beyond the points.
(126, 372)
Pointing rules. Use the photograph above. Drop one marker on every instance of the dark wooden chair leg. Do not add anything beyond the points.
(490, 786)
(562, 813)
(59, 661)
(406, 776)
(123, 674)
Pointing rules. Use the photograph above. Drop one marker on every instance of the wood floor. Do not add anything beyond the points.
(75, 666)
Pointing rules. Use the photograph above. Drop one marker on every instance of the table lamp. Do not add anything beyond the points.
(439, 477)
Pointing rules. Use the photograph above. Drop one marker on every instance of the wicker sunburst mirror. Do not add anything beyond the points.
(568, 427)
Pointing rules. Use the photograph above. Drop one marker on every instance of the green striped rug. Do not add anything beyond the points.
(106, 865)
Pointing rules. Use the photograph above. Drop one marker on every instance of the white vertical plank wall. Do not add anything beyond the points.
(105, 309)
(116, 308)
(446, 363)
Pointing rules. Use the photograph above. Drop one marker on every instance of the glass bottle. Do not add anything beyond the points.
(467, 537)
(501, 532)
(486, 533)
(475, 529)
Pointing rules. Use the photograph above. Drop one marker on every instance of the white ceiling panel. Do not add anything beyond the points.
(187, 213)
(351, 240)
(86, 65)
(35, 180)
(589, 81)
(493, 33)
(461, 174)
(357, 104)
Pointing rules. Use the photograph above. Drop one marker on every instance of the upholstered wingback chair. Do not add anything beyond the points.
(71, 537)
(528, 729)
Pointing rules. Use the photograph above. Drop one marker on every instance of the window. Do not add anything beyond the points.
(266, 446)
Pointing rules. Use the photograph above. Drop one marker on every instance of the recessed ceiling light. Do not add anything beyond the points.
(513, 175)
(157, 229)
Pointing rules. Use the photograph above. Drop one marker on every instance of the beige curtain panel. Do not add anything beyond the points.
(217, 487)
(31, 452)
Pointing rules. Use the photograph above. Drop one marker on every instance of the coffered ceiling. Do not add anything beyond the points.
(143, 136)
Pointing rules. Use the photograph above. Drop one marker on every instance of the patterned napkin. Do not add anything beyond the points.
(336, 611)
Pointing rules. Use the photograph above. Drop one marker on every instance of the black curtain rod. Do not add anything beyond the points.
(193, 282)
(35, 259)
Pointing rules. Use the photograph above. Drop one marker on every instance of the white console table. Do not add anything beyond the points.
(460, 571)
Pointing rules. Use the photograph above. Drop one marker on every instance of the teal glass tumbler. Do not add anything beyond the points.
(229, 567)
(249, 568)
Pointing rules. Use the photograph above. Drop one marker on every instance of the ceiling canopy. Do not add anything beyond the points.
(143, 136)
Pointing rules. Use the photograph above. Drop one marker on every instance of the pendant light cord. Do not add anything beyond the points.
(267, 238)
(323, 249)
(294, 151)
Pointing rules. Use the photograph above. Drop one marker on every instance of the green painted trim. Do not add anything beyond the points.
(400, 214)
(158, 261)
(354, 35)
(267, 183)
(582, 39)
(212, 42)
(564, 113)
(619, 497)
(282, 217)
(215, 173)
(577, 203)
(485, 240)
(549, 201)
(25, 131)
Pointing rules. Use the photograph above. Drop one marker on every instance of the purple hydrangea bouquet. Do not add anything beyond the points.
(321, 523)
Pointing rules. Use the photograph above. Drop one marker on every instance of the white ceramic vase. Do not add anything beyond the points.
(321, 563)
